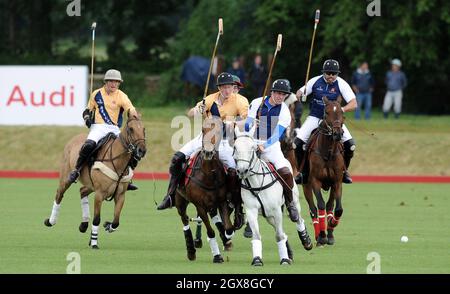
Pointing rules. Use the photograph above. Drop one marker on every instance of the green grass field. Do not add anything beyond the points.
(150, 241)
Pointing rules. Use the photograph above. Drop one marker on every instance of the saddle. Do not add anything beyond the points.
(103, 141)
(189, 166)
(277, 175)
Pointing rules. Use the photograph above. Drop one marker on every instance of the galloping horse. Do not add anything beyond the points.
(108, 177)
(206, 189)
(261, 191)
(326, 167)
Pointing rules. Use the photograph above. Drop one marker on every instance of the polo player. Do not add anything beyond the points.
(330, 85)
(274, 118)
(227, 105)
(103, 115)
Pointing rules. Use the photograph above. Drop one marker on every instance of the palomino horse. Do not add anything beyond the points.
(206, 189)
(326, 167)
(112, 159)
(262, 192)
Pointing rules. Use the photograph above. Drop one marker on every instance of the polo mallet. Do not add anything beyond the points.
(94, 25)
(219, 33)
(316, 22)
(278, 48)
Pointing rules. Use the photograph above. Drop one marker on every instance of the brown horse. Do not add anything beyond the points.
(207, 190)
(115, 154)
(325, 161)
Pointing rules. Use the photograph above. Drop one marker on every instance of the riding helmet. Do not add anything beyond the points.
(113, 75)
(331, 65)
(281, 85)
(225, 79)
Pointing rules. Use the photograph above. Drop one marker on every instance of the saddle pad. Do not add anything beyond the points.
(190, 167)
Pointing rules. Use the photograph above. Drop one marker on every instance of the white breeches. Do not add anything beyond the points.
(225, 150)
(98, 131)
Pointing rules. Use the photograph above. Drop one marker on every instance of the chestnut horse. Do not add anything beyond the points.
(115, 154)
(206, 189)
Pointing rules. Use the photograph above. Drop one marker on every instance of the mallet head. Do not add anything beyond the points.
(220, 26)
(279, 41)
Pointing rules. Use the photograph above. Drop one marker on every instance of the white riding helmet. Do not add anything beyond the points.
(396, 61)
(113, 75)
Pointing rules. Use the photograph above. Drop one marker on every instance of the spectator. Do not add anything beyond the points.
(395, 83)
(362, 84)
(258, 76)
(237, 70)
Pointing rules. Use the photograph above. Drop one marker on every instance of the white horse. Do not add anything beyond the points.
(262, 192)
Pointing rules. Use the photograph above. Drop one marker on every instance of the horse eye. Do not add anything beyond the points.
(131, 129)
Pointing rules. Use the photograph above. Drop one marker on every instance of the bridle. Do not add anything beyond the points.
(326, 129)
(130, 143)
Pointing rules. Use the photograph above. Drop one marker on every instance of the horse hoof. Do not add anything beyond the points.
(330, 241)
(257, 261)
(218, 258)
(322, 241)
(106, 224)
(198, 243)
(191, 255)
(285, 261)
(47, 223)
(83, 227)
(228, 246)
(330, 237)
(95, 247)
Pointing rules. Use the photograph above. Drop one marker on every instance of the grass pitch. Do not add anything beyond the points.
(150, 241)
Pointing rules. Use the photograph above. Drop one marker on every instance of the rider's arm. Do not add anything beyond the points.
(278, 132)
(310, 84)
(196, 110)
(348, 95)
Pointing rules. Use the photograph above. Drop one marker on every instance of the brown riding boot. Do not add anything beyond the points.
(234, 185)
(288, 184)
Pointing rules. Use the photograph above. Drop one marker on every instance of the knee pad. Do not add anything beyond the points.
(349, 146)
(176, 163)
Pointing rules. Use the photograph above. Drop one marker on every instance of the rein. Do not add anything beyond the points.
(130, 146)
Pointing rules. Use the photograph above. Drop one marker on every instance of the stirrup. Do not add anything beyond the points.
(132, 187)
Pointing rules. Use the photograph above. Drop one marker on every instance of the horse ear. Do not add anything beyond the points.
(325, 99)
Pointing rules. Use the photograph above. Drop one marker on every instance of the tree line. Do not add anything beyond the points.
(157, 36)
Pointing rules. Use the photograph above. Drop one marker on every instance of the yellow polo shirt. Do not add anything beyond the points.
(109, 108)
(235, 105)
